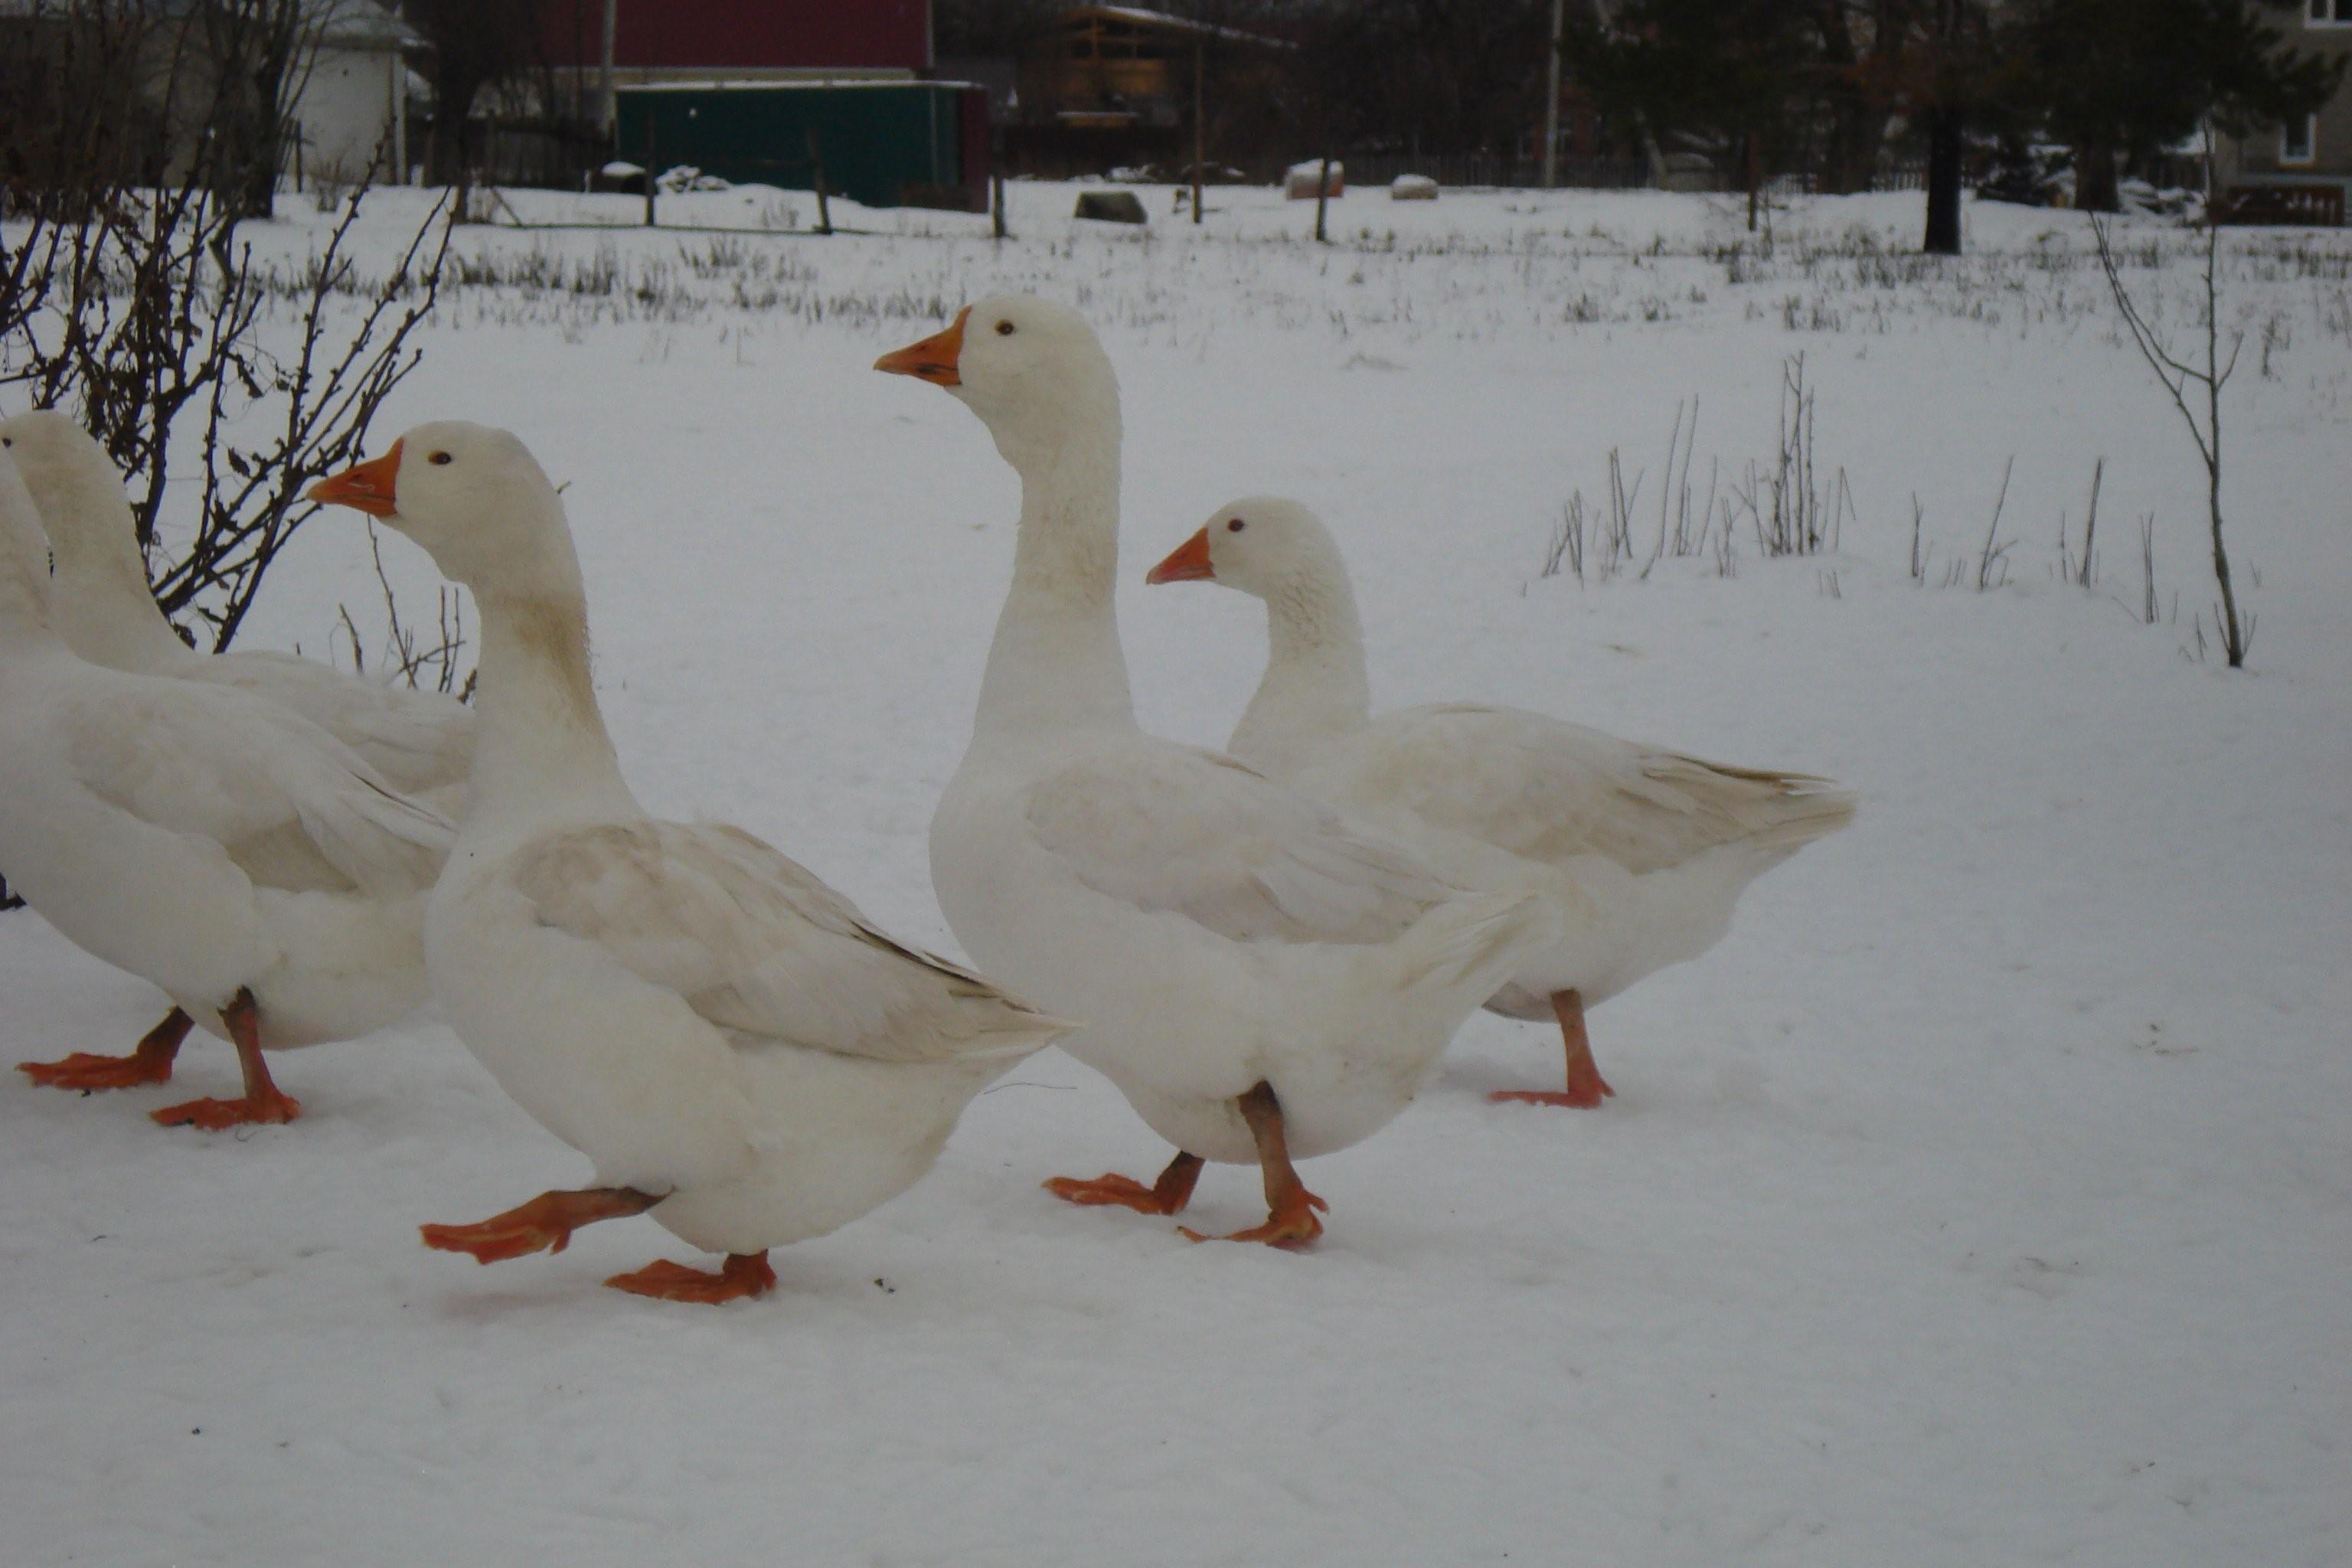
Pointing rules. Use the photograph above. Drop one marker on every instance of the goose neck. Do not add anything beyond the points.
(1315, 687)
(109, 613)
(541, 747)
(1057, 663)
(25, 613)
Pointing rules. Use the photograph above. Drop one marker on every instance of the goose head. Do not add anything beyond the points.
(1033, 371)
(78, 491)
(474, 499)
(1266, 546)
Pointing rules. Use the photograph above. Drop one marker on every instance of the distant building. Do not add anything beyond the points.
(2316, 153)
(351, 107)
(668, 41)
(346, 88)
(773, 90)
(1105, 86)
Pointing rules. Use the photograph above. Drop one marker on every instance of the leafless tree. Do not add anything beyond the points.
(2196, 392)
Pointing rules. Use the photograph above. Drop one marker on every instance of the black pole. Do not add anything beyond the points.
(1944, 148)
(816, 166)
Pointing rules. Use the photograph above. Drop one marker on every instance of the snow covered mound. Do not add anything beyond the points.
(1298, 181)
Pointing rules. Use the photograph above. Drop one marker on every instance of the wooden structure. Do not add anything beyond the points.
(1106, 86)
(2305, 206)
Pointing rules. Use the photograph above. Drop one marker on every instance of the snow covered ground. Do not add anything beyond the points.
(1983, 1199)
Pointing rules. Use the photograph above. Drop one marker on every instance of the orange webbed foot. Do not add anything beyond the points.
(1583, 1089)
(1168, 1195)
(83, 1070)
(149, 1062)
(543, 1225)
(497, 1239)
(216, 1115)
(743, 1274)
(1583, 1097)
(1113, 1188)
(1290, 1226)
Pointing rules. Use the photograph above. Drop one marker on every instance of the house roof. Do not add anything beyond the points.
(359, 25)
(1160, 21)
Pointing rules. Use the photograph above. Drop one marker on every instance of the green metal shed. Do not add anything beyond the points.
(894, 143)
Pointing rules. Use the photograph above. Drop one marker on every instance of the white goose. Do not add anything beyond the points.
(420, 741)
(738, 1050)
(1500, 797)
(1263, 979)
(205, 840)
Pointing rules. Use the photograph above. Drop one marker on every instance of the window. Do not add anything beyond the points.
(2295, 140)
(2328, 13)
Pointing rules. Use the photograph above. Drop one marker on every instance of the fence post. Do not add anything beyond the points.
(816, 166)
(649, 166)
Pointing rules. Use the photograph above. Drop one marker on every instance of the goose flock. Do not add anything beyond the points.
(1267, 949)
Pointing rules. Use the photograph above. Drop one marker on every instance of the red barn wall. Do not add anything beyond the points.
(738, 35)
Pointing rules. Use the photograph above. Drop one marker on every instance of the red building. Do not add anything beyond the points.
(741, 40)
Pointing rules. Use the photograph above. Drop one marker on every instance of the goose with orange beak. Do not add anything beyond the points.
(1640, 853)
(217, 844)
(741, 1053)
(1264, 979)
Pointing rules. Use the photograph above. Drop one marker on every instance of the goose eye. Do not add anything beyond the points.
(1235, 526)
(1003, 329)
(8, 440)
(439, 459)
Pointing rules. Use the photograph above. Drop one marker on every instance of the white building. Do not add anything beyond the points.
(351, 105)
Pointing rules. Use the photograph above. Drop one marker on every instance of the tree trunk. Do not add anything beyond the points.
(1944, 146)
(1857, 125)
(2094, 177)
(452, 103)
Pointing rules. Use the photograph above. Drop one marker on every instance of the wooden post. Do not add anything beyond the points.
(1322, 198)
(1552, 103)
(1200, 126)
(399, 84)
(608, 114)
(817, 167)
(649, 165)
(996, 202)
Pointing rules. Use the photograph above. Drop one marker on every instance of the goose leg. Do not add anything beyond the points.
(149, 1062)
(263, 1100)
(1586, 1088)
(1168, 1195)
(743, 1273)
(544, 1223)
(1291, 1219)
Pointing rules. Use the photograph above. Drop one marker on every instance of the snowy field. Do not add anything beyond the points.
(1985, 1198)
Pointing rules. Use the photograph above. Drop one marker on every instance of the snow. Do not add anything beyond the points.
(1982, 1199)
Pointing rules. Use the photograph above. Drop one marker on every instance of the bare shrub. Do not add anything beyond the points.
(131, 300)
(2202, 383)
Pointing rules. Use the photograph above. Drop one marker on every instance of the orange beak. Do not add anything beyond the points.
(366, 486)
(932, 359)
(1188, 563)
